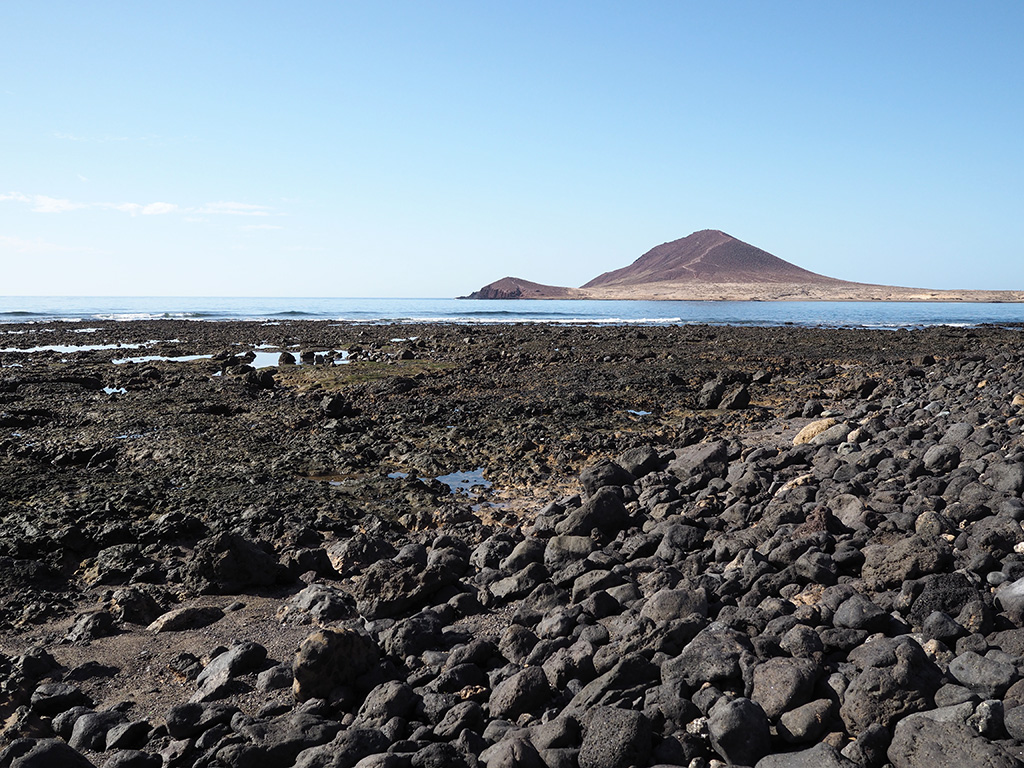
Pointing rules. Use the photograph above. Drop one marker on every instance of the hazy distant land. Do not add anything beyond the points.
(710, 265)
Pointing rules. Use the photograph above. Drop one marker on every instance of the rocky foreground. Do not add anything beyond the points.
(688, 546)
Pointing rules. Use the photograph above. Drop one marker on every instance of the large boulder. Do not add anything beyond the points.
(604, 473)
(42, 753)
(782, 684)
(695, 465)
(388, 588)
(525, 691)
(910, 557)
(920, 742)
(604, 511)
(329, 659)
(615, 738)
(739, 731)
(228, 564)
(897, 680)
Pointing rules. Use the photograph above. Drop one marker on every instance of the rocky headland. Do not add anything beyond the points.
(539, 546)
(710, 265)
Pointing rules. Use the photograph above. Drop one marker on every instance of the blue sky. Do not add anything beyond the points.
(424, 149)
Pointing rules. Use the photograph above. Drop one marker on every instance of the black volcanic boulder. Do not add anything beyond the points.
(739, 731)
(696, 465)
(947, 592)
(711, 393)
(736, 399)
(330, 659)
(228, 564)
(603, 473)
(639, 461)
(615, 738)
(919, 742)
(388, 588)
(603, 511)
(897, 679)
(40, 753)
(893, 562)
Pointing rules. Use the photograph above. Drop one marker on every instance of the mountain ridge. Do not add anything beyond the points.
(711, 265)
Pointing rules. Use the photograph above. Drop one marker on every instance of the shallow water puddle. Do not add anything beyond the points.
(457, 482)
(464, 482)
(164, 358)
(67, 348)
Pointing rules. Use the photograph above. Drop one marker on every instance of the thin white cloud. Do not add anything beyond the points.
(130, 208)
(262, 226)
(74, 137)
(46, 204)
(235, 209)
(81, 177)
(159, 209)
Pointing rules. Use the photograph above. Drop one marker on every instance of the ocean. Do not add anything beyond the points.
(886, 315)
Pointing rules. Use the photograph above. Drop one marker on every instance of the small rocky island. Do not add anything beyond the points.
(522, 545)
(712, 266)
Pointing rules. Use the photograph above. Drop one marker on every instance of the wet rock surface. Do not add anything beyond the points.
(511, 546)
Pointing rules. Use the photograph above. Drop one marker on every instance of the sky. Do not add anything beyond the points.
(414, 149)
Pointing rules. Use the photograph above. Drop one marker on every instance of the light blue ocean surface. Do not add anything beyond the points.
(890, 315)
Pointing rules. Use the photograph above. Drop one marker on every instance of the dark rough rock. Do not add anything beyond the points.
(615, 738)
(716, 655)
(133, 758)
(783, 684)
(229, 563)
(344, 750)
(90, 729)
(920, 742)
(898, 680)
(54, 698)
(989, 678)
(739, 730)
(522, 692)
(186, 721)
(604, 474)
(42, 753)
(329, 659)
(820, 756)
(388, 588)
(604, 511)
(907, 558)
(215, 679)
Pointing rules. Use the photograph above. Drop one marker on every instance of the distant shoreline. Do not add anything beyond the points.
(773, 292)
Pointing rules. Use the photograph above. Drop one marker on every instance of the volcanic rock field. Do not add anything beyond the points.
(312, 544)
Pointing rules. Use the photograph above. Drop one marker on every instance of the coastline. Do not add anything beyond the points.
(692, 291)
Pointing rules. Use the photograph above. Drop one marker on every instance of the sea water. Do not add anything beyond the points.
(890, 315)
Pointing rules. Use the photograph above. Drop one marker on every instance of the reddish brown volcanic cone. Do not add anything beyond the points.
(712, 266)
(708, 256)
(516, 288)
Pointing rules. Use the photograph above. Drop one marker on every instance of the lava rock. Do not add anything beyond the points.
(329, 659)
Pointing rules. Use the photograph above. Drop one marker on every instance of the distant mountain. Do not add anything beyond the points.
(514, 288)
(707, 256)
(710, 265)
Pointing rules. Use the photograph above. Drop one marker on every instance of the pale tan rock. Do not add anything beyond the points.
(812, 430)
(1018, 399)
(186, 618)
